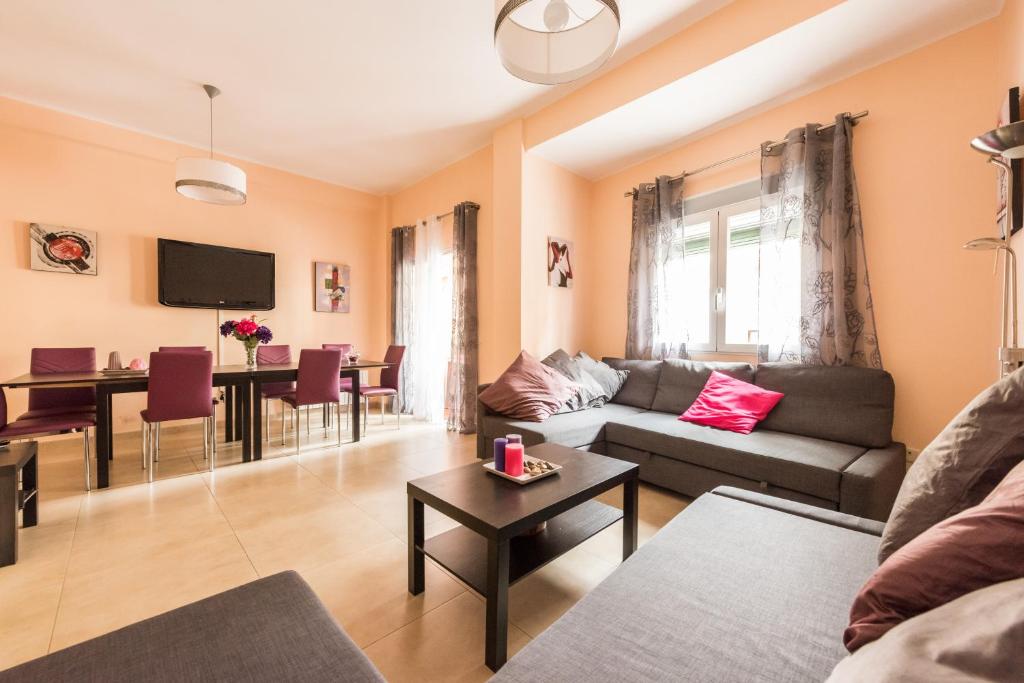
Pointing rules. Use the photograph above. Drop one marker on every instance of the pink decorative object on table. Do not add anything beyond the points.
(137, 364)
(514, 459)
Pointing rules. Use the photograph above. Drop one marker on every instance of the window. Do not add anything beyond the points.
(715, 263)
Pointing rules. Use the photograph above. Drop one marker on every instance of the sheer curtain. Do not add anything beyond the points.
(432, 323)
(655, 324)
(814, 295)
(403, 260)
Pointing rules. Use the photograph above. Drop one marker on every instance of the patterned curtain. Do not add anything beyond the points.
(465, 363)
(655, 325)
(403, 260)
(815, 298)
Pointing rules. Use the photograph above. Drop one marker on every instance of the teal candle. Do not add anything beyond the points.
(499, 454)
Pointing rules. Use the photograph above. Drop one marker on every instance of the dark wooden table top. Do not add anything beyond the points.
(70, 378)
(496, 507)
(17, 454)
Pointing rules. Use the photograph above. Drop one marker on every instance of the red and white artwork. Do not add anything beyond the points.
(332, 290)
(57, 249)
(560, 254)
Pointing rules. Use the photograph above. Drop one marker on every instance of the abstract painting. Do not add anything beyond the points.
(1010, 113)
(331, 288)
(57, 249)
(560, 253)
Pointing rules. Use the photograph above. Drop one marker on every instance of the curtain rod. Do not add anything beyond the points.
(438, 217)
(685, 174)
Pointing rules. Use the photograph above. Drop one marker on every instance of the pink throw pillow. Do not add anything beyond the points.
(732, 404)
(979, 547)
(528, 390)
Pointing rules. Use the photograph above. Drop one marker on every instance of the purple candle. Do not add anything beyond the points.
(499, 454)
(514, 438)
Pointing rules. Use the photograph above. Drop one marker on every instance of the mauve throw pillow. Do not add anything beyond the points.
(977, 637)
(978, 547)
(962, 465)
(732, 404)
(528, 390)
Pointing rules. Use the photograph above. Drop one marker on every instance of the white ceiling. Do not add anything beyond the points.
(369, 94)
(848, 38)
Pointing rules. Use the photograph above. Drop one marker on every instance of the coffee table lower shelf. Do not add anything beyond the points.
(464, 552)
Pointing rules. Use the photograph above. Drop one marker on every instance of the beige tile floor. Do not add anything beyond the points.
(101, 560)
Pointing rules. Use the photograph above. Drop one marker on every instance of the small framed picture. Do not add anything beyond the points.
(59, 249)
(332, 292)
(560, 257)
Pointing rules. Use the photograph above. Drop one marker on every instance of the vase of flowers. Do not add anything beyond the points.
(251, 333)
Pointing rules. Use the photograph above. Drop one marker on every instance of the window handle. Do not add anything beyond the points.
(720, 299)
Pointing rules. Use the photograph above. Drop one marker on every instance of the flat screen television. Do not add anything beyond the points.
(195, 275)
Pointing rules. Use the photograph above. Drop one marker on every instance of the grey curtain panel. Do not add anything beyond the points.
(465, 362)
(654, 328)
(403, 260)
(815, 297)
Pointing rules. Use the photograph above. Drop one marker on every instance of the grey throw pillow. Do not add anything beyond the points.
(977, 637)
(610, 379)
(589, 393)
(962, 465)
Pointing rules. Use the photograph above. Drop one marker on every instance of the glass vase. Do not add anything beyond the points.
(250, 355)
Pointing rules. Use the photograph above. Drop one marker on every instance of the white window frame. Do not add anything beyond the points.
(719, 247)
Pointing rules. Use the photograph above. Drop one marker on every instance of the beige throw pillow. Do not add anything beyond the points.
(962, 465)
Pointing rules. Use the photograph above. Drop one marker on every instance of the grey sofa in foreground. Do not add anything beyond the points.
(273, 629)
(738, 587)
(828, 443)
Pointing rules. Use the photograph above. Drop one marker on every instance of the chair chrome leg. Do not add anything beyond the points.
(337, 407)
(282, 423)
(266, 411)
(307, 422)
(206, 438)
(297, 430)
(151, 455)
(145, 445)
(88, 459)
(382, 410)
(156, 450)
(213, 437)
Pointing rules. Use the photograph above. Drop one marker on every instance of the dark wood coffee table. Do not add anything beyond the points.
(490, 552)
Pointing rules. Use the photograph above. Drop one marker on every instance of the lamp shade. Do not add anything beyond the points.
(555, 41)
(1006, 141)
(209, 180)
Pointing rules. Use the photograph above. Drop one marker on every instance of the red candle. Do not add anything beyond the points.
(514, 459)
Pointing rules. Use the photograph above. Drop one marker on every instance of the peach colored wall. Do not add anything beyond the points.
(468, 179)
(734, 27)
(56, 168)
(924, 192)
(556, 203)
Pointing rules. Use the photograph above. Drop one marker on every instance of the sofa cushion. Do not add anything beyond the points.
(852, 405)
(731, 404)
(273, 629)
(610, 379)
(681, 381)
(588, 391)
(978, 547)
(962, 465)
(800, 463)
(528, 390)
(726, 591)
(985, 643)
(568, 429)
(641, 384)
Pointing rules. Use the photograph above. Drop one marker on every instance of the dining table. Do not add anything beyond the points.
(242, 387)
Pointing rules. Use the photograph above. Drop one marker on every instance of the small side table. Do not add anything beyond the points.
(17, 459)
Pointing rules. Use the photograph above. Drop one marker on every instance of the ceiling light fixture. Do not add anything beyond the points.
(207, 179)
(555, 41)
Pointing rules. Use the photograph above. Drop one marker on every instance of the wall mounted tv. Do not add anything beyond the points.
(195, 275)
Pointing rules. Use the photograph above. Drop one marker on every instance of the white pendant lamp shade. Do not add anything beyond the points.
(207, 179)
(555, 41)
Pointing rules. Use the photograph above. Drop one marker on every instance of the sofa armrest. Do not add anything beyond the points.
(816, 514)
(870, 483)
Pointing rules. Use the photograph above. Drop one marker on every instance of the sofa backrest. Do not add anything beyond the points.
(642, 383)
(681, 382)
(847, 404)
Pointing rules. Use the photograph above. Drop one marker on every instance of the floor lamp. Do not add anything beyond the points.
(1003, 145)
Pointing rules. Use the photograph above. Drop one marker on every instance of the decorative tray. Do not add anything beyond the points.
(124, 372)
(526, 477)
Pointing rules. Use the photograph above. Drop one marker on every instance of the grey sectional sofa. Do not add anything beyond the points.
(738, 587)
(828, 443)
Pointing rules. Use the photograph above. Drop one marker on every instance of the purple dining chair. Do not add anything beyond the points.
(280, 354)
(180, 349)
(179, 389)
(344, 384)
(317, 385)
(389, 383)
(45, 402)
(47, 425)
